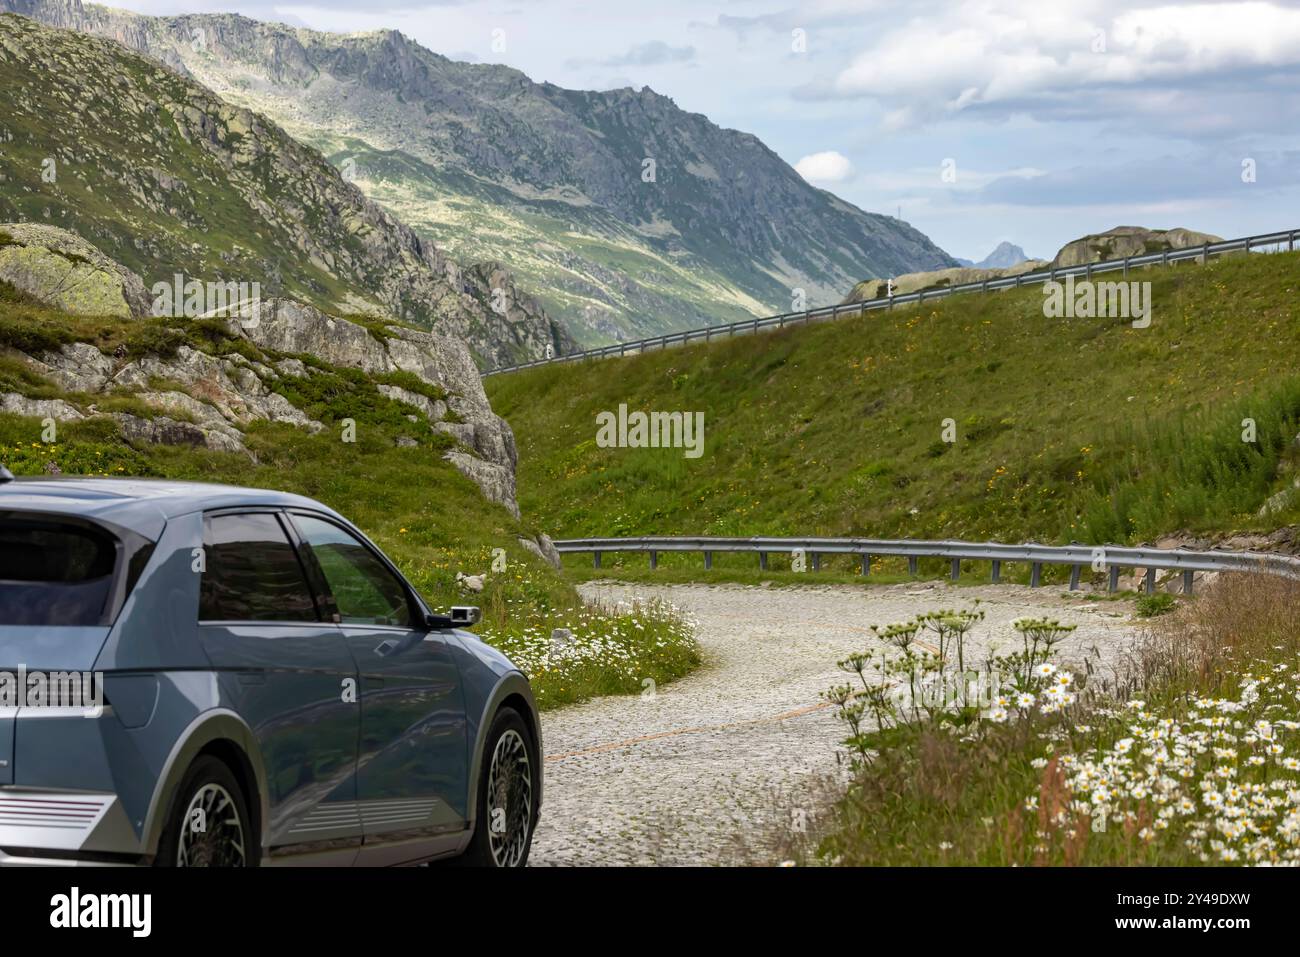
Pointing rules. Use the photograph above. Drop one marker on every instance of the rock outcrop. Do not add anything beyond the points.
(62, 269)
(488, 456)
(1124, 241)
(201, 398)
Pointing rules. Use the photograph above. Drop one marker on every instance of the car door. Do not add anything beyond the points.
(412, 765)
(287, 670)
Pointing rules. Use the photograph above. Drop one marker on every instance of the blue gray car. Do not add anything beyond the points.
(206, 675)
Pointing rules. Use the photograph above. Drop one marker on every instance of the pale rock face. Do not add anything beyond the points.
(489, 456)
(55, 409)
(223, 394)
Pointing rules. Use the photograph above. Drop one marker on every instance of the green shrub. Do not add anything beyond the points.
(1151, 606)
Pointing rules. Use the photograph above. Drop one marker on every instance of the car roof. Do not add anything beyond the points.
(142, 505)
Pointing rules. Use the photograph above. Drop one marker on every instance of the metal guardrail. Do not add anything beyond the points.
(1087, 270)
(1108, 558)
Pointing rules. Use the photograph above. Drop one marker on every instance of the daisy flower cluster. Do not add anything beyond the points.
(616, 648)
(1219, 774)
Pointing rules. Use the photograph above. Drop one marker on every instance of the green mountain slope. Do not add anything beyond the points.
(1066, 429)
(166, 178)
(494, 166)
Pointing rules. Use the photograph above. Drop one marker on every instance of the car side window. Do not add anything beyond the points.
(365, 590)
(251, 572)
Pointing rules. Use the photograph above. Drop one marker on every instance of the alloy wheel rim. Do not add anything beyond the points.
(510, 800)
(212, 834)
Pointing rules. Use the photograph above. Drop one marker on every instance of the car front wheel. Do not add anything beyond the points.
(507, 789)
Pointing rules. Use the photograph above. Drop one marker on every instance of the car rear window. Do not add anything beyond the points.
(54, 573)
(251, 572)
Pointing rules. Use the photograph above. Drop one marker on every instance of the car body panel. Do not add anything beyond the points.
(265, 697)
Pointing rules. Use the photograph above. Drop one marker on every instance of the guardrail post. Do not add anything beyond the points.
(595, 556)
(1150, 585)
(708, 560)
(911, 565)
(920, 296)
(1035, 574)
(1189, 577)
(956, 569)
(654, 559)
(817, 561)
(891, 304)
(1290, 242)
(1164, 257)
(866, 564)
(1112, 580)
(1205, 254)
(1087, 270)
(1126, 259)
(997, 570)
(1074, 578)
(762, 560)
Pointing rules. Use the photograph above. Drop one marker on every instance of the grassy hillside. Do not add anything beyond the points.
(429, 518)
(1066, 429)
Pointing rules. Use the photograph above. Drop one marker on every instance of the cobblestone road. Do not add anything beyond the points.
(684, 776)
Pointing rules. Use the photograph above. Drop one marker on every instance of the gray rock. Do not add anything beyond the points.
(64, 271)
(1124, 241)
(56, 409)
(472, 583)
(544, 549)
(167, 431)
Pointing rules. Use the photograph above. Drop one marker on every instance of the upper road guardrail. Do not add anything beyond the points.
(1087, 270)
(1109, 558)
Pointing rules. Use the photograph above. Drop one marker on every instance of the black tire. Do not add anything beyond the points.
(210, 785)
(514, 807)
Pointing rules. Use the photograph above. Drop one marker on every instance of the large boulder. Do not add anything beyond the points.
(1124, 241)
(62, 270)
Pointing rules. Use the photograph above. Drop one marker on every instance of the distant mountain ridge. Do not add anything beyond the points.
(161, 175)
(624, 214)
(1004, 256)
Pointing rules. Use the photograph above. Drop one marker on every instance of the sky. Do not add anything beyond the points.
(977, 121)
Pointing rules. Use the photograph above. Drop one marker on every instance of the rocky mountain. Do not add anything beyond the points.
(207, 383)
(158, 173)
(1004, 256)
(626, 215)
(1125, 241)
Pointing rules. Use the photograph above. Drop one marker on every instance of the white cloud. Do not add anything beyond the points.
(1022, 56)
(827, 167)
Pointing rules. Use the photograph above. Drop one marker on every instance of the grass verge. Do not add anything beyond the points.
(1188, 756)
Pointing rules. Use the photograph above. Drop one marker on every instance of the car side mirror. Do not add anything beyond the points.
(462, 616)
